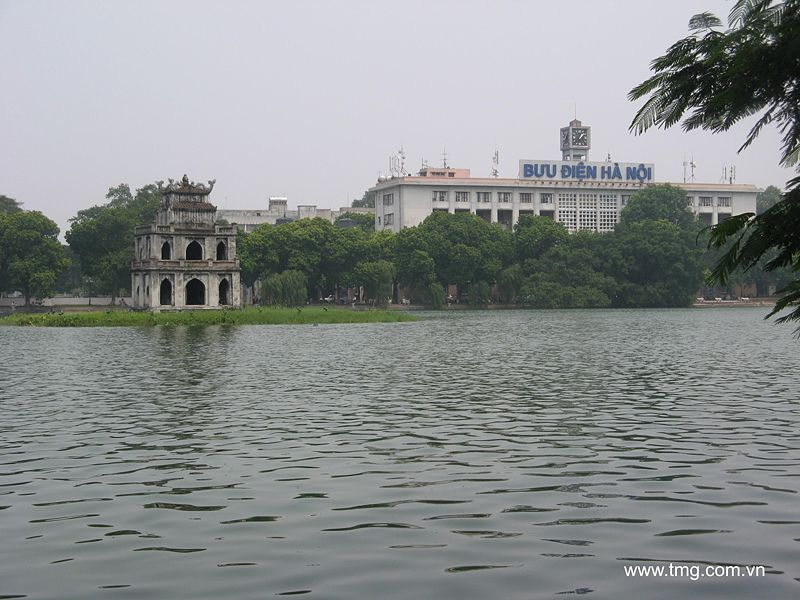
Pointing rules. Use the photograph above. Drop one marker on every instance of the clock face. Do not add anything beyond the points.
(565, 138)
(580, 137)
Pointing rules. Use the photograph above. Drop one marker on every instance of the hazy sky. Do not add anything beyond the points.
(308, 99)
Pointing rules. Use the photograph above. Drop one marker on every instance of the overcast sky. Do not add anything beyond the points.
(308, 99)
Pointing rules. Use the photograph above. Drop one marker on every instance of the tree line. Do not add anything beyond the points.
(655, 257)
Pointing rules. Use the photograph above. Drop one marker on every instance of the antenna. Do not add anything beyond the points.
(685, 164)
(444, 158)
(724, 174)
(496, 164)
(402, 157)
(608, 156)
(732, 179)
(692, 164)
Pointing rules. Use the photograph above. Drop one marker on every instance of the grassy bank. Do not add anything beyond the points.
(248, 316)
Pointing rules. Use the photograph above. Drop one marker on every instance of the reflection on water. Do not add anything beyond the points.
(471, 455)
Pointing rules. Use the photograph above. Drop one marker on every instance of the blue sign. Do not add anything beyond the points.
(586, 171)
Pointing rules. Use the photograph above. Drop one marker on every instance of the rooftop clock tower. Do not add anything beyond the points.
(576, 139)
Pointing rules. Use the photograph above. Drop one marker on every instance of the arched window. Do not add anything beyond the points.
(224, 292)
(195, 293)
(194, 251)
(222, 251)
(166, 251)
(165, 294)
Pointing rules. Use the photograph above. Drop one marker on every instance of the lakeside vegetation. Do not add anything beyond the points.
(273, 315)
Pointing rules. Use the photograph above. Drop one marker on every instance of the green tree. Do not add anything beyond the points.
(31, 257)
(533, 236)
(103, 236)
(288, 288)
(659, 203)
(719, 77)
(767, 199)
(366, 201)
(9, 205)
(376, 277)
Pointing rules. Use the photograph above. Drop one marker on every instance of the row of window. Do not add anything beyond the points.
(464, 197)
(194, 251)
(724, 201)
(387, 219)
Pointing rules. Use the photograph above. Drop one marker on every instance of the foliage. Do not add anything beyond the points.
(103, 236)
(767, 199)
(464, 247)
(479, 294)
(288, 289)
(536, 235)
(659, 203)
(366, 201)
(508, 283)
(248, 316)
(9, 205)
(31, 258)
(718, 78)
(434, 295)
(365, 222)
(376, 277)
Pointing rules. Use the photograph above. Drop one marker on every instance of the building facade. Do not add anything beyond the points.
(575, 192)
(185, 259)
(277, 211)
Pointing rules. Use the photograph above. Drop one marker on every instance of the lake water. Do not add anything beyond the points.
(491, 454)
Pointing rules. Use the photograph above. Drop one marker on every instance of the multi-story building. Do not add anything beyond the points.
(573, 191)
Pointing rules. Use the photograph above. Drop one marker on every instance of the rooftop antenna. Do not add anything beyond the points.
(724, 174)
(496, 164)
(394, 165)
(402, 155)
(608, 156)
(444, 158)
(732, 179)
(692, 165)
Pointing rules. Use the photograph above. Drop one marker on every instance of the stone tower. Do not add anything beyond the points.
(185, 260)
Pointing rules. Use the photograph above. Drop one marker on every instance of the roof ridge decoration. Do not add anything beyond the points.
(184, 186)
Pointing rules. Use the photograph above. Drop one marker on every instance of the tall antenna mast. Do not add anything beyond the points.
(496, 164)
(444, 158)
(402, 155)
(685, 164)
(692, 164)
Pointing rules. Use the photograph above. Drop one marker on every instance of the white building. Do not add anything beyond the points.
(278, 212)
(573, 191)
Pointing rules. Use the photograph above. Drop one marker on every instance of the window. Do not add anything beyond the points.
(462, 196)
(526, 198)
(625, 199)
(222, 251)
(166, 251)
(587, 219)
(689, 201)
(705, 201)
(504, 196)
(587, 201)
(568, 217)
(439, 196)
(388, 219)
(388, 199)
(484, 196)
(724, 201)
(567, 200)
(194, 251)
(608, 202)
(608, 219)
(546, 198)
